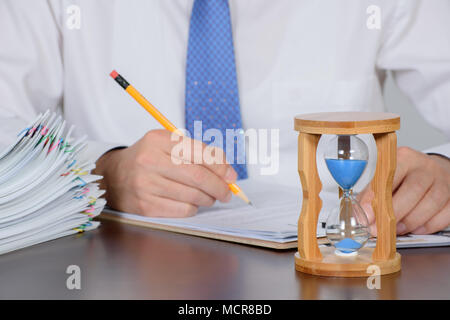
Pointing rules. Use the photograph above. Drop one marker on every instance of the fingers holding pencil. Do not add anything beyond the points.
(210, 178)
(167, 124)
(143, 179)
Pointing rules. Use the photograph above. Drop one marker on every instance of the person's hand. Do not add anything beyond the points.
(143, 179)
(421, 193)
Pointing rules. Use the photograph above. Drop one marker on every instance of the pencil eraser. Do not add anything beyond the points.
(114, 74)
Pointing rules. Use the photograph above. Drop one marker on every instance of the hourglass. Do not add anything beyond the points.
(346, 158)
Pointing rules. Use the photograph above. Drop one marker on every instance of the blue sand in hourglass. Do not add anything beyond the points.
(347, 245)
(346, 172)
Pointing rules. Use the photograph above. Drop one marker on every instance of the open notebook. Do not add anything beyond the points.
(46, 189)
(271, 223)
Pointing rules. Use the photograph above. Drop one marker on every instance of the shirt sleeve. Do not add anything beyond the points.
(31, 67)
(31, 79)
(416, 48)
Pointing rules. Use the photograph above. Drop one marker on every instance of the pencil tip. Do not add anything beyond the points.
(250, 204)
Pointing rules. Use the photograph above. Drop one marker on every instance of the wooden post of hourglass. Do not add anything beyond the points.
(323, 261)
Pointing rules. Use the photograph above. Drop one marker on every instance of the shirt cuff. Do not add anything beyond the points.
(95, 149)
(443, 150)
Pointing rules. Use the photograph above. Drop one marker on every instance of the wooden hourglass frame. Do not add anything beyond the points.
(323, 261)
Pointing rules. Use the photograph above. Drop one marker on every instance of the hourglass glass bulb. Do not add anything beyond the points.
(348, 228)
(346, 158)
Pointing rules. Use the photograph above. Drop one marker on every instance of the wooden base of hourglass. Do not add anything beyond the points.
(322, 261)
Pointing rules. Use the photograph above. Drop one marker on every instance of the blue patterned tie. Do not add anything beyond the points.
(211, 85)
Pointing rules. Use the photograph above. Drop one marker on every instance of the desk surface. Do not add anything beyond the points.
(126, 262)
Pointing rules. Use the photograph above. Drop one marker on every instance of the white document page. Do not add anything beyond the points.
(273, 217)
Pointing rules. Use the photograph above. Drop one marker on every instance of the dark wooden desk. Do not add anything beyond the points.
(125, 262)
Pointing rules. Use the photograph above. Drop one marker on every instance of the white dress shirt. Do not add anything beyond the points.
(292, 57)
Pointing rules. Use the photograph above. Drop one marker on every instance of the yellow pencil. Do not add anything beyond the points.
(164, 122)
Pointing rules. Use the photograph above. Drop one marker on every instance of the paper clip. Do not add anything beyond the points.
(82, 181)
(82, 227)
(63, 144)
(93, 200)
(44, 128)
(90, 210)
(78, 171)
(72, 163)
(34, 129)
(54, 145)
(24, 130)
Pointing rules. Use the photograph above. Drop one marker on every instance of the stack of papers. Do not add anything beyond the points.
(46, 189)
